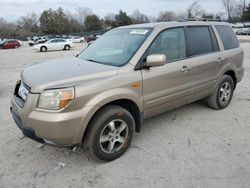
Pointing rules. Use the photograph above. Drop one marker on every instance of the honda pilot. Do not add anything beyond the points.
(101, 97)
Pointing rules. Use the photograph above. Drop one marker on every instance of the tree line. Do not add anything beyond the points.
(60, 21)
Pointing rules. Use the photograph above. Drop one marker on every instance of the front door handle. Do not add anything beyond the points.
(220, 60)
(185, 69)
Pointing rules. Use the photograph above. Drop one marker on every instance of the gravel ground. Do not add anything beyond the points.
(193, 146)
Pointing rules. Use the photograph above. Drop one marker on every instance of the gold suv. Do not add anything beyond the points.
(101, 97)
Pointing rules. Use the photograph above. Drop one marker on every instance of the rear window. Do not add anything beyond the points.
(228, 37)
(199, 40)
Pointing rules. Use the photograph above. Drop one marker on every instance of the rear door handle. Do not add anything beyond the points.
(185, 69)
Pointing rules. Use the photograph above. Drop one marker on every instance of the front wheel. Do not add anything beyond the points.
(110, 133)
(43, 49)
(66, 47)
(223, 94)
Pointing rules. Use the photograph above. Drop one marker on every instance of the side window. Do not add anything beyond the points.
(60, 40)
(170, 43)
(227, 36)
(199, 40)
(54, 41)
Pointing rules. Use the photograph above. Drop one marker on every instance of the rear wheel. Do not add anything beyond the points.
(223, 94)
(43, 49)
(110, 133)
(66, 47)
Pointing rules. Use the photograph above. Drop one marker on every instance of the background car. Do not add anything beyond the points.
(31, 42)
(10, 43)
(21, 42)
(78, 39)
(54, 44)
(242, 31)
(39, 40)
(90, 38)
(247, 31)
(239, 25)
(246, 24)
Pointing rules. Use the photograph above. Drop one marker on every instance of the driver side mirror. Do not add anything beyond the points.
(156, 60)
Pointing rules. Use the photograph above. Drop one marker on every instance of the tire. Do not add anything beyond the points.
(116, 127)
(223, 94)
(81, 41)
(66, 47)
(43, 49)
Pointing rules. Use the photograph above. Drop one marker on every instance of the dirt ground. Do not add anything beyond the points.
(193, 146)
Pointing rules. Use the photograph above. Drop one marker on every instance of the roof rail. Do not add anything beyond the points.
(201, 19)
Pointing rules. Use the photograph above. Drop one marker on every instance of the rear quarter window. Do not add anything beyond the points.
(227, 36)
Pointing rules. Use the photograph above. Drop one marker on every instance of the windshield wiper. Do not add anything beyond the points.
(94, 61)
(103, 63)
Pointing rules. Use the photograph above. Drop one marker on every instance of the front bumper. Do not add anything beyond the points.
(62, 129)
(28, 132)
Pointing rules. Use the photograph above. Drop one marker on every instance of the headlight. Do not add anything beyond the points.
(56, 99)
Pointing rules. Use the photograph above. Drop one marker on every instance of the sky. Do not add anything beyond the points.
(11, 10)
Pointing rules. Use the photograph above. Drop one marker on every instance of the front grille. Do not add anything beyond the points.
(19, 99)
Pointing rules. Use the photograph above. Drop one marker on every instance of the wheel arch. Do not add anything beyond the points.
(232, 74)
(128, 104)
(66, 45)
(43, 46)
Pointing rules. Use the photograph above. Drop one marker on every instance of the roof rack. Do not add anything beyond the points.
(202, 19)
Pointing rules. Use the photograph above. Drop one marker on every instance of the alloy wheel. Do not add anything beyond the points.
(225, 93)
(113, 137)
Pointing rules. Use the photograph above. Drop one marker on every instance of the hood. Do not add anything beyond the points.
(64, 72)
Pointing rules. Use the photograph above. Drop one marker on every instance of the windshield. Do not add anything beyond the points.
(116, 47)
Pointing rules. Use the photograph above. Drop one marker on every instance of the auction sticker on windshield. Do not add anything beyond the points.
(139, 32)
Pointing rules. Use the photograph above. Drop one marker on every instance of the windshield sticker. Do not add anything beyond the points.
(139, 32)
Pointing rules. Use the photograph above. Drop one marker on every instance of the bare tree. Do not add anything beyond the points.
(152, 19)
(166, 16)
(244, 5)
(229, 7)
(182, 15)
(138, 17)
(110, 20)
(241, 5)
(219, 15)
(234, 8)
(82, 13)
(194, 10)
(28, 25)
(7, 29)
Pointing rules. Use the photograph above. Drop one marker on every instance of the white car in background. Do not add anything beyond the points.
(54, 44)
(239, 25)
(78, 39)
(242, 31)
